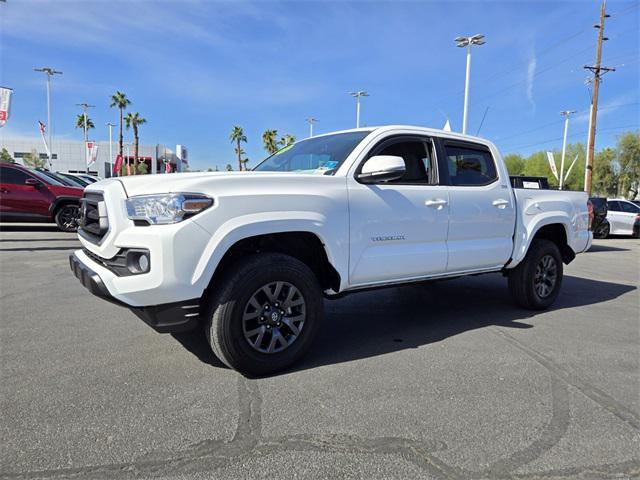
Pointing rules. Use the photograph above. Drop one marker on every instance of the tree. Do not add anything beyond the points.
(134, 120)
(80, 120)
(515, 164)
(237, 135)
(270, 141)
(6, 157)
(33, 160)
(605, 180)
(536, 165)
(286, 140)
(141, 168)
(229, 167)
(120, 101)
(629, 163)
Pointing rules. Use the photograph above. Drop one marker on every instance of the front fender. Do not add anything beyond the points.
(251, 225)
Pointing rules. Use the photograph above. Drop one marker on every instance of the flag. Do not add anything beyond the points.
(167, 167)
(5, 105)
(552, 164)
(92, 152)
(447, 126)
(570, 167)
(43, 129)
(118, 165)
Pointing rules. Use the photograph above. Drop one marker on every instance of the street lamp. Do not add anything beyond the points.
(49, 72)
(462, 42)
(565, 114)
(311, 121)
(110, 125)
(357, 95)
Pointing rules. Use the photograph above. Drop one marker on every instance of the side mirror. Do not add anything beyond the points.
(33, 182)
(382, 168)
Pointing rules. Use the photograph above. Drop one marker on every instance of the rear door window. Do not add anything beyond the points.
(470, 165)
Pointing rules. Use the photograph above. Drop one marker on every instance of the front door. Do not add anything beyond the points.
(398, 229)
(481, 209)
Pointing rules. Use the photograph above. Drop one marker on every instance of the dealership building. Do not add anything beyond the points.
(69, 155)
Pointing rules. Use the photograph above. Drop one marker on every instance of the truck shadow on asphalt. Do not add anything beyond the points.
(378, 322)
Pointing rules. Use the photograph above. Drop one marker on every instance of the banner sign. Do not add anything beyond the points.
(5, 105)
(92, 152)
(552, 164)
(118, 165)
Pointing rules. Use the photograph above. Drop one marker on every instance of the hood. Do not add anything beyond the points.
(200, 181)
(65, 191)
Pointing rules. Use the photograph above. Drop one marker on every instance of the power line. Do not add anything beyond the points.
(569, 136)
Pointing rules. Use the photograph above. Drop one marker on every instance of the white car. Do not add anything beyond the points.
(622, 215)
(249, 256)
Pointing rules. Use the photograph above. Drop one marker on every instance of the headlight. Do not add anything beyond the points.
(166, 208)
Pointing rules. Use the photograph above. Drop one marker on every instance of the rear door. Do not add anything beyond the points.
(623, 215)
(481, 208)
(398, 229)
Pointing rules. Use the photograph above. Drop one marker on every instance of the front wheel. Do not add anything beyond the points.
(67, 218)
(602, 231)
(265, 314)
(535, 282)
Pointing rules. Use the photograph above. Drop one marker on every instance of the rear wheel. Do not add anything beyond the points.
(535, 282)
(265, 315)
(66, 217)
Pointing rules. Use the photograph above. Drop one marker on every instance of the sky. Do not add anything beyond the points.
(194, 69)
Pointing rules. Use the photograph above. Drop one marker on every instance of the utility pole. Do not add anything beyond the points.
(462, 42)
(110, 125)
(311, 121)
(49, 72)
(565, 114)
(597, 70)
(84, 125)
(357, 95)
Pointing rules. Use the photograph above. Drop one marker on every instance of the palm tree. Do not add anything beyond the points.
(270, 140)
(120, 101)
(134, 120)
(287, 139)
(80, 121)
(229, 167)
(237, 135)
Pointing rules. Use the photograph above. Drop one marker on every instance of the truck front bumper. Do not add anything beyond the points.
(164, 318)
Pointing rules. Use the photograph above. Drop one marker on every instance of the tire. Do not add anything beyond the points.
(602, 231)
(66, 217)
(529, 286)
(236, 307)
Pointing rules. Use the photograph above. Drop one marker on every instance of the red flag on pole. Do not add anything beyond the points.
(118, 165)
(167, 167)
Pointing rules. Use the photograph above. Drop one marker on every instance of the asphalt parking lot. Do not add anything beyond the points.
(448, 380)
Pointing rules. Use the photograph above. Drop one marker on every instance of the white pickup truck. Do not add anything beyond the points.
(249, 256)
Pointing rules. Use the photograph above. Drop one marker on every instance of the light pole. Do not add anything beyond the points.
(357, 95)
(110, 125)
(565, 114)
(49, 72)
(462, 42)
(84, 125)
(311, 121)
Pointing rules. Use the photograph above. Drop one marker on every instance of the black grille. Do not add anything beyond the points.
(94, 223)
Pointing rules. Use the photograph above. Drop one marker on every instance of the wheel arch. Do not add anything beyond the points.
(60, 201)
(305, 246)
(554, 228)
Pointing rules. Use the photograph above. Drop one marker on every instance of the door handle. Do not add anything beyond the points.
(436, 203)
(500, 203)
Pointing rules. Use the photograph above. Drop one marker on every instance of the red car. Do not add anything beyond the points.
(27, 195)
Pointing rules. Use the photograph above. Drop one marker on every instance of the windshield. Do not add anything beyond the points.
(79, 180)
(65, 182)
(46, 178)
(319, 155)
